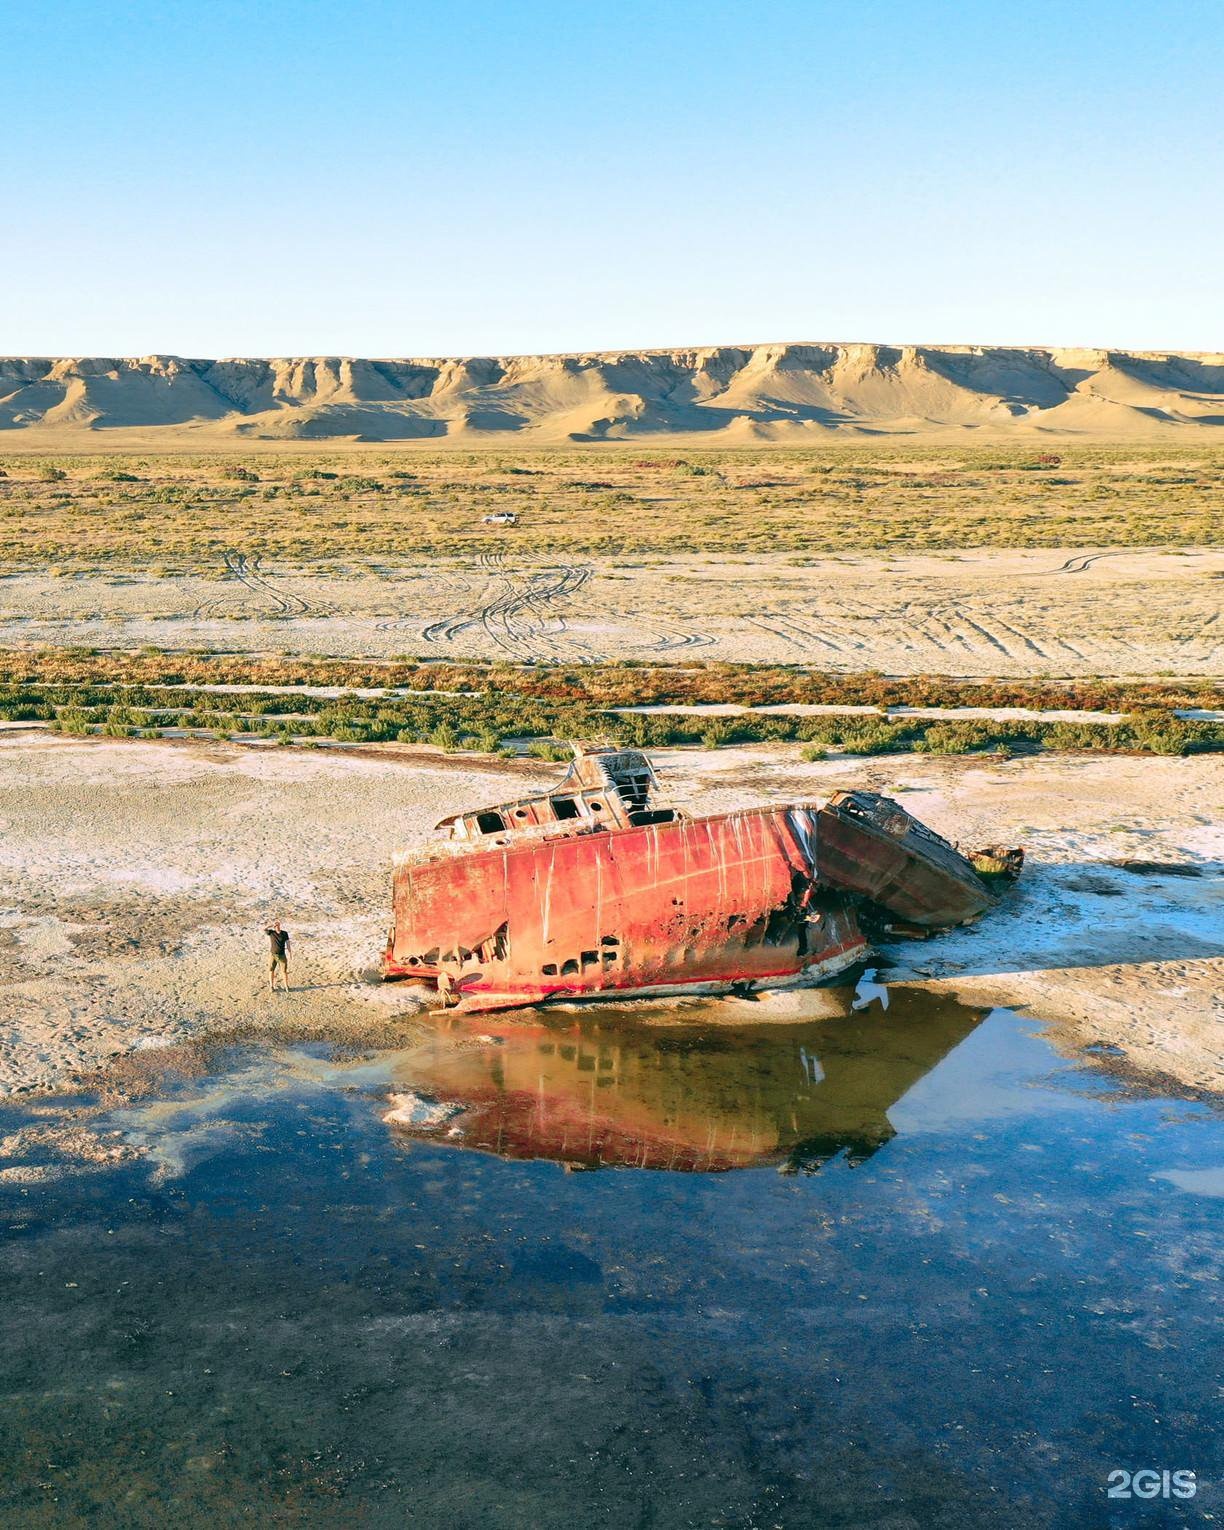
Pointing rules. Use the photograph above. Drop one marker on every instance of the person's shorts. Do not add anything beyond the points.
(278, 961)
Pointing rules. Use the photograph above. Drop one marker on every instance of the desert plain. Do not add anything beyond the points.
(144, 845)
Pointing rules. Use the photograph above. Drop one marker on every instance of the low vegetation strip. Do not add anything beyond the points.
(597, 685)
(180, 514)
(493, 721)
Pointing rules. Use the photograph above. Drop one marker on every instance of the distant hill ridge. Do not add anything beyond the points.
(789, 394)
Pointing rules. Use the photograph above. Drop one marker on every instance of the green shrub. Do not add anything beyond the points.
(873, 738)
(969, 737)
(72, 720)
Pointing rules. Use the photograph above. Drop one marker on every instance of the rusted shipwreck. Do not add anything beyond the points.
(597, 889)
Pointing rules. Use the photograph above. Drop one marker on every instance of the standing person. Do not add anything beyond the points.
(280, 955)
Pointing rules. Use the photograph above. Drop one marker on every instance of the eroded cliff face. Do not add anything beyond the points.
(723, 394)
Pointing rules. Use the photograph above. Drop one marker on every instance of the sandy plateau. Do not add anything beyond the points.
(785, 393)
(136, 878)
(981, 613)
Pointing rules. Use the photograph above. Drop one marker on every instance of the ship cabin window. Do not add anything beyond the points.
(652, 815)
(569, 967)
(564, 807)
(596, 807)
(635, 791)
(549, 969)
(490, 823)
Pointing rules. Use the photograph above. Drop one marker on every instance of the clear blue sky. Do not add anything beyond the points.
(381, 177)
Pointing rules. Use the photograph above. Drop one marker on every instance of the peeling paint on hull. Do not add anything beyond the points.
(693, 906)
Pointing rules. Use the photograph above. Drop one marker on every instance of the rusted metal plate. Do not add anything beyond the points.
(870, 846)
(714, 901)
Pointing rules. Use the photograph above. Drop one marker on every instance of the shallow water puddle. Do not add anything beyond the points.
(844, 1266)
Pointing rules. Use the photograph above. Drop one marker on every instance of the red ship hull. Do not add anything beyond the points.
(717, 904)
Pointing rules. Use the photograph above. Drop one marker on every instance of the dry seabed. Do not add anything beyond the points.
(136, 878)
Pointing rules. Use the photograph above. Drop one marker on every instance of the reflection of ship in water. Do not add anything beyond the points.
(695, 1097)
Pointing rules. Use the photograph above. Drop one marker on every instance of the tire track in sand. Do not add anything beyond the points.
(249, 574)
(517, 614)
